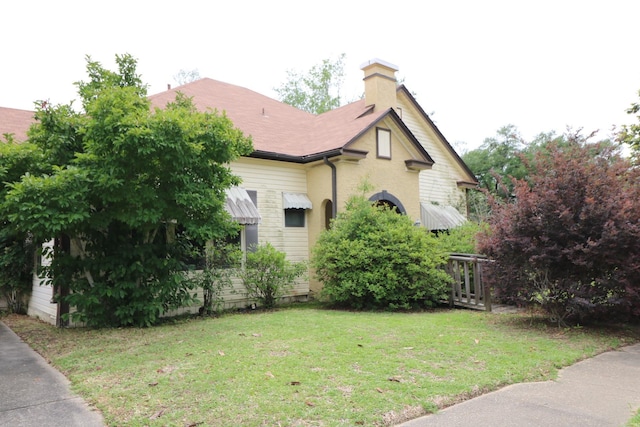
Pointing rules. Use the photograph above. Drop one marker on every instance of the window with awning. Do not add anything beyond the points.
(241, 207)
(437, 217)
(296, 201)
(295, 205)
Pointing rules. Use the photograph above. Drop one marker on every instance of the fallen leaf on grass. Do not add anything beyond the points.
(407, 348)
(221, 353)
(477, 341)
(295, 383)
(153, 384)
(194, 424)
(157, 414)
(379, 390)
(270, 375)
(256, 335)
(395, 379)
(309, 404)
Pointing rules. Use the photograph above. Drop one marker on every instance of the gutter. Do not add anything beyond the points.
(266, 155)
(334, 186)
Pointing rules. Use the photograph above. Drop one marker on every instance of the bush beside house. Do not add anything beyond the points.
(568, 241)
(374, 258)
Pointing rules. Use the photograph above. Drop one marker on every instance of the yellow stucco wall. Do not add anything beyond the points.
(390, 175)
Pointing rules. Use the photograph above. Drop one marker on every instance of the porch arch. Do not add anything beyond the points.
(388, 199)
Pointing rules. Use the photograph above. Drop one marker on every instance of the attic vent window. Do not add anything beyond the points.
(384, 143)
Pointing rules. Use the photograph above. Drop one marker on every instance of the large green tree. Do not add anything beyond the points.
(630, 134)
(17, 247)
(131, 190)
(318, 90)
(498, 157)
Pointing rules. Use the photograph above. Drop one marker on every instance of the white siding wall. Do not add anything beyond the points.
(438, 184)
(40, 305)
(270, 179)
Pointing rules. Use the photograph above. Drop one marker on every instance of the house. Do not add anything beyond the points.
(304, 166)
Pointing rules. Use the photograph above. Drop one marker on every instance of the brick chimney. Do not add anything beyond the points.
(380, 84)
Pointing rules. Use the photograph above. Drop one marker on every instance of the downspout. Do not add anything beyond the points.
(334, 187)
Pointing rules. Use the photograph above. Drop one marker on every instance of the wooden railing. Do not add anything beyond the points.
(468, 288)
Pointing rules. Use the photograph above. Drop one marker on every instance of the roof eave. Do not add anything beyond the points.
(304, 159)
(467, 184)
(413, 164)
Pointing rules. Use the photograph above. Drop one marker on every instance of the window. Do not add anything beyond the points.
(294, 205)
(294, 217)
(384, 143)
(251, 230)
(328, 214)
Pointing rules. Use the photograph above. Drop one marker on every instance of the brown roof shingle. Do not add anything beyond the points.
(278, 130)
(276, 127)
(16, 122)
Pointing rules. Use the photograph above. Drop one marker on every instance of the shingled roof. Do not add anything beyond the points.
(16, 122)
(279, 131)
(277, 128)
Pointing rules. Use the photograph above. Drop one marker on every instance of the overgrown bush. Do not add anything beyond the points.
(268, 275)
(374, 258)
(461, 239)
(17, 248)
(17, 253)
(221, 263)
(569, 239)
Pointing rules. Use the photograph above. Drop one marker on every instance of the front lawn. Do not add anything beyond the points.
(306, 366)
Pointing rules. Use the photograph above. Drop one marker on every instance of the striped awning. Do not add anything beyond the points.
(241, 207)
(437, 217)
(295, 201)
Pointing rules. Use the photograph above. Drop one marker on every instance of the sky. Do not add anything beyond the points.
(474, 66)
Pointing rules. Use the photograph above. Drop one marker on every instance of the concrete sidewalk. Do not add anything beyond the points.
(602, 391)
(34, 394)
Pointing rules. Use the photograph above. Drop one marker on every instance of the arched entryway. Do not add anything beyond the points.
(388, 199)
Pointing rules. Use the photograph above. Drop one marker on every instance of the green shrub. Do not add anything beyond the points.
(222, 259)
(16, 268)
(462, 239)
(372, 257)
(268, 275)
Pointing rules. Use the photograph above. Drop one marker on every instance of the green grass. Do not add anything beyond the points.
(635, 421)
(306, 366)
